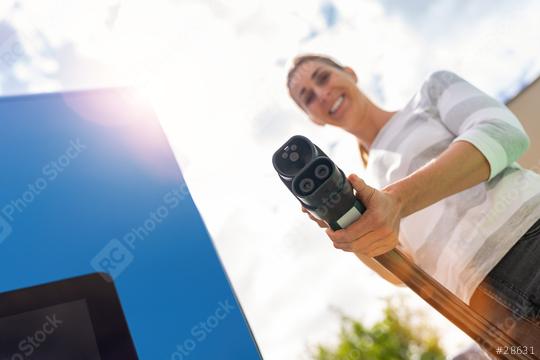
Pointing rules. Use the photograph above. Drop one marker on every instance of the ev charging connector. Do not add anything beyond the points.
(314, 179)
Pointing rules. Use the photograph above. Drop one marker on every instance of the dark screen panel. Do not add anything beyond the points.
(39, 334)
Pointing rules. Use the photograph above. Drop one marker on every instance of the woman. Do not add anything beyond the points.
(464, 211)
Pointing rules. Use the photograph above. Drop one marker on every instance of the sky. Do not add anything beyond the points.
(215, 72)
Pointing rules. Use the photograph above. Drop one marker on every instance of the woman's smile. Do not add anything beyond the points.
(337, 106)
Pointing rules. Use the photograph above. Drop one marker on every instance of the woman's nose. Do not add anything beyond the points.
(322, 94)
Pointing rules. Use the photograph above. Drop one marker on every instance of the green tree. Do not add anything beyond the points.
(395, 337)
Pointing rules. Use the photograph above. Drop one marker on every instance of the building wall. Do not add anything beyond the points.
(526, 106)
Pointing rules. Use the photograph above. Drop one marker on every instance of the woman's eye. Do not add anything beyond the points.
(323, 78)
(310, 97)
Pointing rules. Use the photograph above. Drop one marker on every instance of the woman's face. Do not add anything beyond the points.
(327, 94)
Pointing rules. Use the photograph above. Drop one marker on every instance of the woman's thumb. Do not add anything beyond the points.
(363, 191)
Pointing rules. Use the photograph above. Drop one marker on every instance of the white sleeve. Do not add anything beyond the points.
(475, 117)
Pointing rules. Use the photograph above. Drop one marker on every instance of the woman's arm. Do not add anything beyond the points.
(477, 118)
(459, 167)
(488, 138)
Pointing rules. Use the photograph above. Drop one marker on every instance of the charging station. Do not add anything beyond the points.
(90, 185)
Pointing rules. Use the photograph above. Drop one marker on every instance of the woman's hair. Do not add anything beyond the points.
(301, 59)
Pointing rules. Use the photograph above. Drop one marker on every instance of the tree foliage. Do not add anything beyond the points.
(395, 337)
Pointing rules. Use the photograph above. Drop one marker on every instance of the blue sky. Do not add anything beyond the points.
(215, 72)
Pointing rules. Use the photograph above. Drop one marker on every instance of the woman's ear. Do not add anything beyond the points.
(351, 72)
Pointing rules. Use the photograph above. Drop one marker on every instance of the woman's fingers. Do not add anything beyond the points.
(319, 222)
(343, 246)
(372, 244)
(363, 191)
(337, 236)
(381, 246)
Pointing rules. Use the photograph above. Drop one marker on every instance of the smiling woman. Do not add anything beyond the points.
(443, 170)
(328, 94)
(326, 91)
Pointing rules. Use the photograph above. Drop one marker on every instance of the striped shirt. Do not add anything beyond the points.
(461, 238)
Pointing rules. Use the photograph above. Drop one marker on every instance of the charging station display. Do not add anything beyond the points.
(40, 333)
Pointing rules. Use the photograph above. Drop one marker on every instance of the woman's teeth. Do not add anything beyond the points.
(336, 104)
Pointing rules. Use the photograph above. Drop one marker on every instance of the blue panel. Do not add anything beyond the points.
(88, 181)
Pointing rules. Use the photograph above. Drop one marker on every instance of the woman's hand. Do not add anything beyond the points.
(319, 222)
(376, 231)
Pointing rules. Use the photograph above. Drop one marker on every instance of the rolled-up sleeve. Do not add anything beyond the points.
(475, 117)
